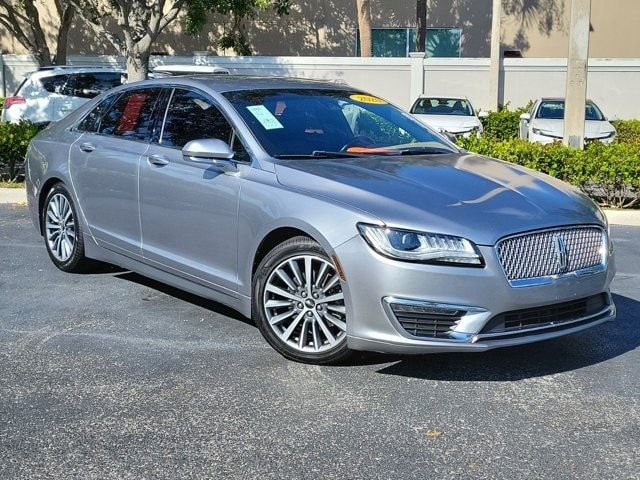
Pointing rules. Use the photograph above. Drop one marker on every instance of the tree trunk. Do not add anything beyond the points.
(63, 35)
(421, 21)
(42, 56)
(364, 27)
(137, 65)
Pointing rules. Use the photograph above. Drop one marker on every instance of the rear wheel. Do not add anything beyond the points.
(298, 303)
(62, 231)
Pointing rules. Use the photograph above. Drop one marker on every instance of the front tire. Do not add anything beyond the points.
(63, 232)
(298, 303)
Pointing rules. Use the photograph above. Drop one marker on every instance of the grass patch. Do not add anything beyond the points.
(11, 184)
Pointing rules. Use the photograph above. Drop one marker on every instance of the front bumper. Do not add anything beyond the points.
(546, 140)
(482, 292)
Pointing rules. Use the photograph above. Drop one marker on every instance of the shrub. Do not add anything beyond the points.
(610, 174)
(14, 140)
(628, 131)
(503, 124)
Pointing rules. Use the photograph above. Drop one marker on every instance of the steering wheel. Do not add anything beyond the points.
(359, 141)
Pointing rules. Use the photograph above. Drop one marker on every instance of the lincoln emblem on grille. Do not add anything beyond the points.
(561, 253)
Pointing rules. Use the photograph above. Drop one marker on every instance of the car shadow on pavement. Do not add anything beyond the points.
(184, 296)
(590, 347)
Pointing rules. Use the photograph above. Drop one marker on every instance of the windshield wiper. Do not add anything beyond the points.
(317, 154)
(423, 151)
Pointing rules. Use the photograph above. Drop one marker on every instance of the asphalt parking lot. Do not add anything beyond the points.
(111, 375)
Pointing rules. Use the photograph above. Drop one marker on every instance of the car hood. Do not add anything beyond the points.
(449, 123)
(471, 196)
(592, 128)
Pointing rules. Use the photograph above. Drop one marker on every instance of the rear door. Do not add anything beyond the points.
(104, 167)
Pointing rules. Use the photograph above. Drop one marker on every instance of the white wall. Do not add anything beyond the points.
(613, 83)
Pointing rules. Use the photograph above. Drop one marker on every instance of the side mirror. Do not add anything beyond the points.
(449, 136)
(525, 117)
(212, 151)
(482, 114)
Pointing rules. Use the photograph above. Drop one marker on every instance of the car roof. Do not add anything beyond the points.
(450, 97)
(558, 99)
(230, 83)
(70, 69)
(191, 69)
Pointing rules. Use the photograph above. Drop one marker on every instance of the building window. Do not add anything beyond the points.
(398, 42)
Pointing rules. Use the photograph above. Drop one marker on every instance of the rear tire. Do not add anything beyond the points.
(298, 303)
(63, 232)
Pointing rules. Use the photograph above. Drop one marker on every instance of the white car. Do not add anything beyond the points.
(172, 70)
(453, 115)
(51, 93)
(544, 123)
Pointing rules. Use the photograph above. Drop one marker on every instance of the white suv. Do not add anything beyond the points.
(51, 93)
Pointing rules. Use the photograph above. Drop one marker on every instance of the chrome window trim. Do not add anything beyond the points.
(549, 279)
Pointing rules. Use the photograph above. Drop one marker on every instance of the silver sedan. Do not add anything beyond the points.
(332, 218)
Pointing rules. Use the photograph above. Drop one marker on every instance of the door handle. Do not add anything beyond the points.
(159, 160)
(87, 147)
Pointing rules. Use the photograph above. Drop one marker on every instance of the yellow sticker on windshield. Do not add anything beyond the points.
(367, 99)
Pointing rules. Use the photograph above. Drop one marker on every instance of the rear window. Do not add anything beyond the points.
(131, 115)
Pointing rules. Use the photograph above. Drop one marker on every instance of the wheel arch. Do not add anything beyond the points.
(42, 196)
(274, 238)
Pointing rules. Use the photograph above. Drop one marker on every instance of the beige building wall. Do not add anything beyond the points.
(319, 28)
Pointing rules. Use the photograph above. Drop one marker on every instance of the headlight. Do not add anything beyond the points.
(421, 246)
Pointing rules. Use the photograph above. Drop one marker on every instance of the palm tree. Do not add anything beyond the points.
(364, 27)
(421, 21)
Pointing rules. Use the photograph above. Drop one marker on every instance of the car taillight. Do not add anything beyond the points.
(13, 101)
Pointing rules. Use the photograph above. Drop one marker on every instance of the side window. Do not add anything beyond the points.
(91, 123)
(192, 116)
(90, 85)
(131, 116)
(54, 84)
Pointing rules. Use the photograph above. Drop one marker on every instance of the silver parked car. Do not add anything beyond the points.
(335, 220)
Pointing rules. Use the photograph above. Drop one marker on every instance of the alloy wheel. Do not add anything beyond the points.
(304, 304)
(60, 227)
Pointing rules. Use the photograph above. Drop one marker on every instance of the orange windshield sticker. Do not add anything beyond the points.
(367, 99)
(373, 151)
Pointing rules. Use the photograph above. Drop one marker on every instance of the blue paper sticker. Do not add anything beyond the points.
(265, 117)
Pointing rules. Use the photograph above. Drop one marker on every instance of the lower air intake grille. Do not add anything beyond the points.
(426, 321)
(555, 314)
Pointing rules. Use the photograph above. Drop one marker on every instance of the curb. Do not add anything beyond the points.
(13, 196)
(629, 218)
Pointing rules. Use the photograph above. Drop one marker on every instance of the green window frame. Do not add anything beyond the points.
(398, 42)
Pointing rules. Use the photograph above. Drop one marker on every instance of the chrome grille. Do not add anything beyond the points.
(536, 255)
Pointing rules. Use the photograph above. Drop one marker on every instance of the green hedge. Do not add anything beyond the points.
(14, 140)
(610, 174)
(628, 131)
(503, 124)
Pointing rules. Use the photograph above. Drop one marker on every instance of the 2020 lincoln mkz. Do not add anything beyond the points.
(332, 218)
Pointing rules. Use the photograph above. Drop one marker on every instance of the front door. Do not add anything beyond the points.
(189, 210)
(104, 165)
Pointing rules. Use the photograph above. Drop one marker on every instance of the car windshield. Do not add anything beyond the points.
(291, 123)
(554, 110)
(442, 106)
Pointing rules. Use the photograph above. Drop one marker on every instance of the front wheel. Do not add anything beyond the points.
(298, 303)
